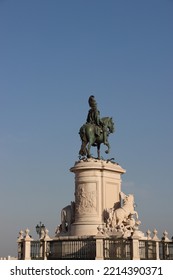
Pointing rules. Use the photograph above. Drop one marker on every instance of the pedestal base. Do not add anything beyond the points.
(83, 229)
(97, 187)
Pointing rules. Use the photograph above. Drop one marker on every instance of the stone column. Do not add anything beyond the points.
(135, 248)
(97, 187)
(155, 238)
(46, 245)
(99, 248)
(27, 245)
(20, 242)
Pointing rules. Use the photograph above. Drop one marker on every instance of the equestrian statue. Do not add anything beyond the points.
(95, 131)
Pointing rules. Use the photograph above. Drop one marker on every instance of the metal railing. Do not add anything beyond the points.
(117, 249)
(85, 249)
(20, 251)
(36, 250)
(73, 249)
(147, 249)
(166, 250)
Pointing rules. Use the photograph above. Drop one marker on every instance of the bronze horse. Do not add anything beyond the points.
(92, 135)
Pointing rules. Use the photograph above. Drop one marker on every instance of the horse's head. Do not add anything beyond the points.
(128, 199)
(108, 122)
(111, 125)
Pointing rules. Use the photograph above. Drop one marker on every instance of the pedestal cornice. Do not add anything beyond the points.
(91, 163)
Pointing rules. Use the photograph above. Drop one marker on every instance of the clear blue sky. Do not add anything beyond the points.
(53, 56)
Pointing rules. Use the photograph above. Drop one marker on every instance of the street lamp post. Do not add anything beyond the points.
(39, 228)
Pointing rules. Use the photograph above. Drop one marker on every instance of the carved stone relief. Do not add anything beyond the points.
(85, 200)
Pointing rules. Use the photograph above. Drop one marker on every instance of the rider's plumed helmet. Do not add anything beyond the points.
(92, 102)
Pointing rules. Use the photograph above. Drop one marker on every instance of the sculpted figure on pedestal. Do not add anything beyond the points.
(122, 218)
(123, 213)
(95, 131)
(67, 218)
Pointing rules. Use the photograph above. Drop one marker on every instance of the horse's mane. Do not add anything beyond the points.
(105, 119)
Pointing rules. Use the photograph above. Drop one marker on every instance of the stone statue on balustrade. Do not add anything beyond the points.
(67, 218)
(95, 131)
(124, 219)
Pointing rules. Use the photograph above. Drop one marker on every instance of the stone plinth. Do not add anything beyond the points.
(97, 187)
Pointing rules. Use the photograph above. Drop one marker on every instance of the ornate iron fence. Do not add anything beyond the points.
(147, 250)
(84, 249)
(20, 251)
(117, 249)
(36, 250)
(166, 250)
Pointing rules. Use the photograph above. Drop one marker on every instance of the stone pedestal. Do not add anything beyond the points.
(97, 187)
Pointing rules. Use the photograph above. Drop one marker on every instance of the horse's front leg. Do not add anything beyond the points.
(108, 150)
(83, 150)
(98, 151)
(135, 213)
